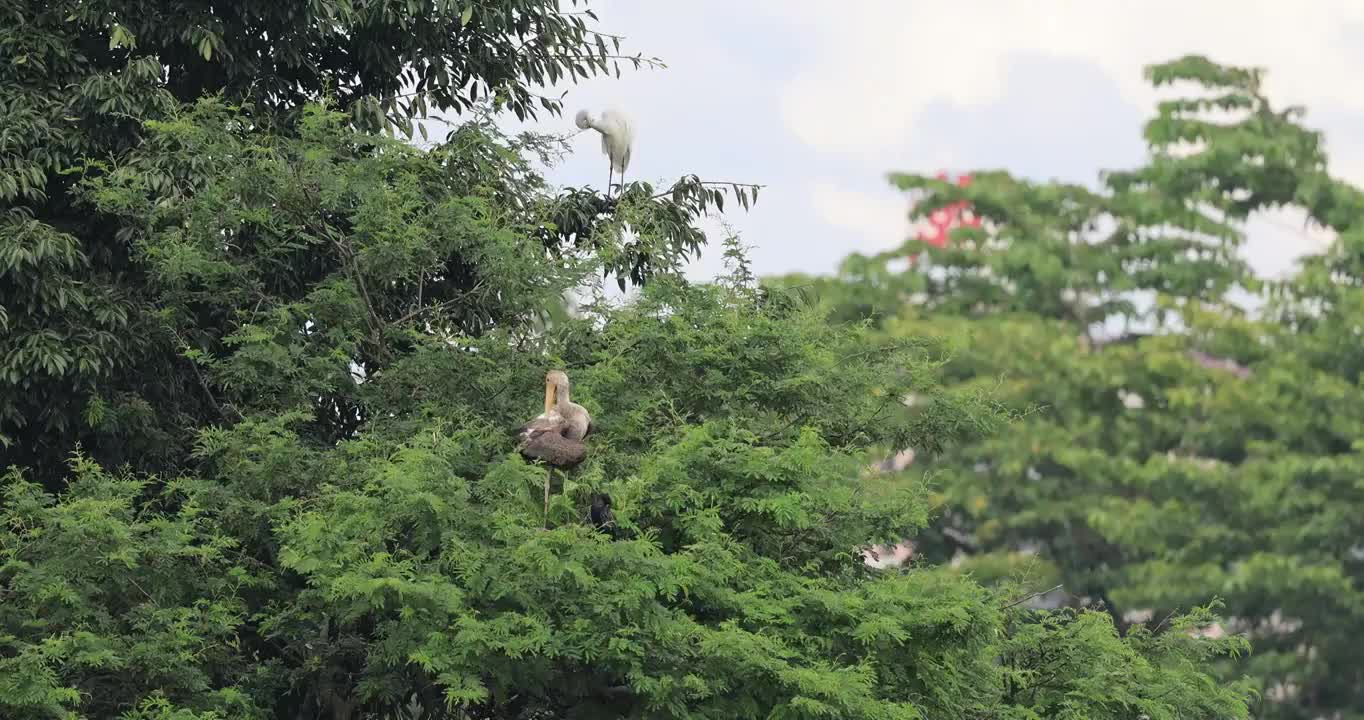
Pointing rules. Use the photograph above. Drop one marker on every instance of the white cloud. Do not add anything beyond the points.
(818, 100)
(873, 66)
(1275, 239)
(870, 70)
(873, 215)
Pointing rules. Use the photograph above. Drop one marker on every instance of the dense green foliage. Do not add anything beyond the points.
(259, 369)
(85, 358)
(1174, 448)
(405, 569)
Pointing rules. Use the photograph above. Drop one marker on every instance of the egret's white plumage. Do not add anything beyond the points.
(617, 139)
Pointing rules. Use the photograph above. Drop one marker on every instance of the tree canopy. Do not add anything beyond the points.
(82, 339)
(1175, 446)
(354, 564)
(261, 366)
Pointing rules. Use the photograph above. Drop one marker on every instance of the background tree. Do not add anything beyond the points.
(1176, 449)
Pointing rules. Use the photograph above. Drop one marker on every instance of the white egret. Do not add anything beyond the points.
(617, 138)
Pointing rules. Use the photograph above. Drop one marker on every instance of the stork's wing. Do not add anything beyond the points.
(543, 439)
(538, 427)
(543, 426)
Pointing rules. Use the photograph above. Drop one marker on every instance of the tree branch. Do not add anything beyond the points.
(1029, 597)
(735, 185)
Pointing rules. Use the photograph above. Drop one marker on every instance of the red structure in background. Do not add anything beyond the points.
(944, 219)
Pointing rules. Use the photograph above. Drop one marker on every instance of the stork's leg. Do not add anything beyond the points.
(609, 174)
(549, 473)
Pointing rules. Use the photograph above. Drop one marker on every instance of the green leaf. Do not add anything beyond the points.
(119, 37)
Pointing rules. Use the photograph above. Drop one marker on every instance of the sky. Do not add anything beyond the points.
(819, 101)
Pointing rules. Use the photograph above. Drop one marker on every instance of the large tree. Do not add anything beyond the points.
(260, 365)
(406, 567)
(1175, 449)
(80, 339)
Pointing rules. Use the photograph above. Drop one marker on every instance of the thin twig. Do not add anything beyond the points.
(148, 595)
(548, 474)
(203, 382)
(464, 295)
(789, 424)
(637, 59)
(735, 185)
(1029, 597)
(348, 257)
(353, 267)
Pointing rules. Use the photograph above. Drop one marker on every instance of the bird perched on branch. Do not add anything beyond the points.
(617, 139)
(600, 516)
(555, 437)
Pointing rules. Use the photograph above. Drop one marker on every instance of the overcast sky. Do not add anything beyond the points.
(818, 101)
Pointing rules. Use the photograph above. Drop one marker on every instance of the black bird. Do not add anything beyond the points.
(600, 514)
